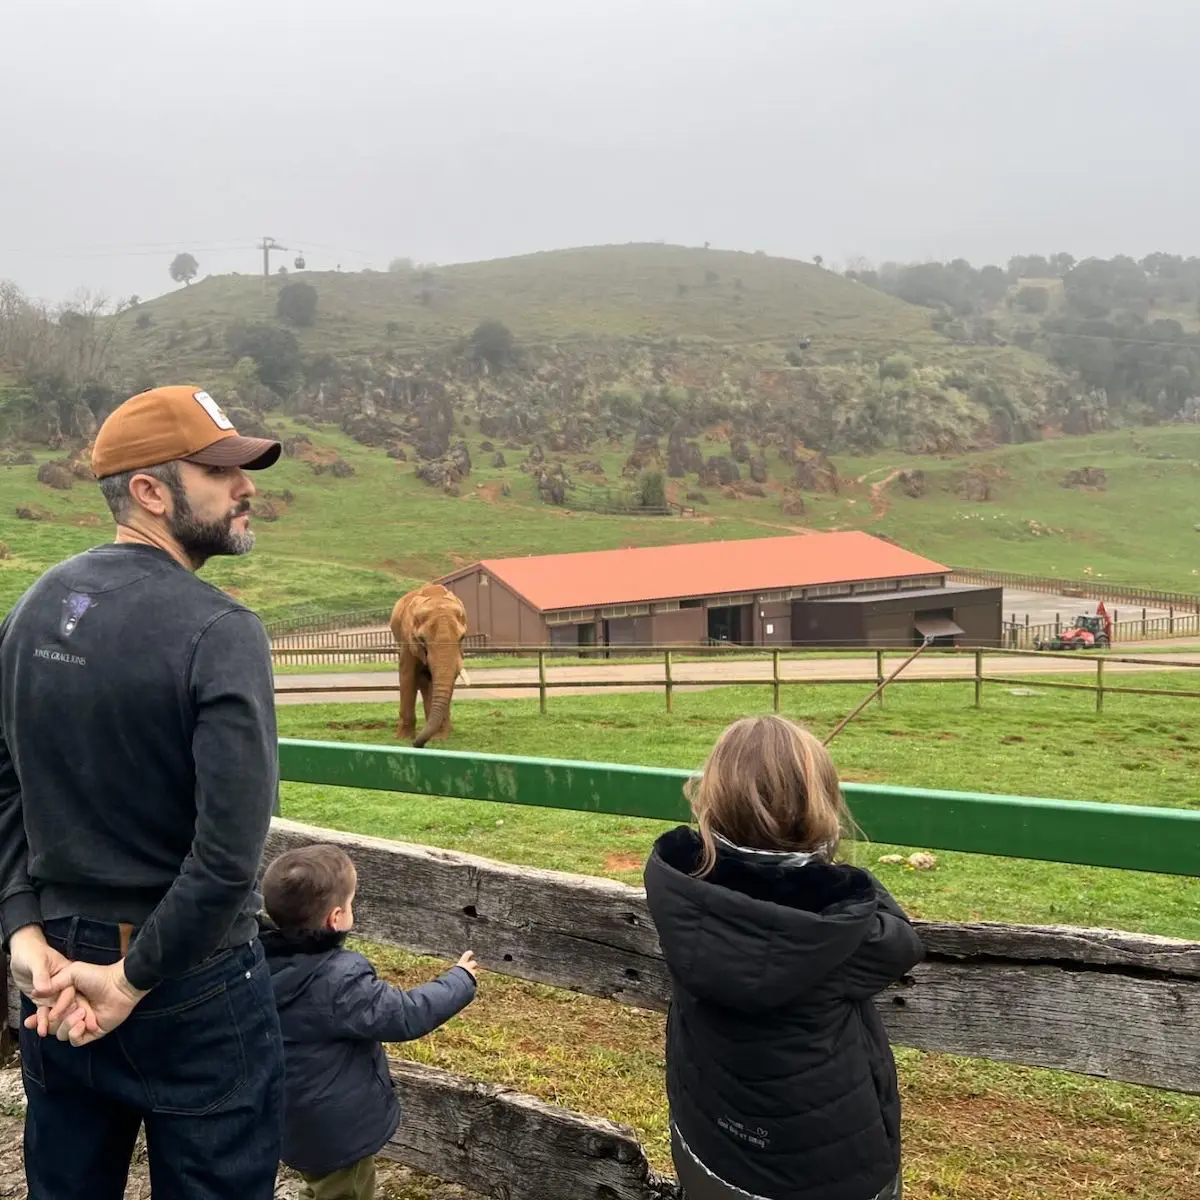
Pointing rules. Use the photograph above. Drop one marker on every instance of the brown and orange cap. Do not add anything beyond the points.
(169, 423)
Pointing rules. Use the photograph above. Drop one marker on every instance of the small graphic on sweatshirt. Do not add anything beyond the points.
(74, 606)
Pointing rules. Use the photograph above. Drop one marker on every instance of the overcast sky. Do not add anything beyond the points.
(449, 130)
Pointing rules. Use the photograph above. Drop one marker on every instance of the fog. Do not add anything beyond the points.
(454, 130)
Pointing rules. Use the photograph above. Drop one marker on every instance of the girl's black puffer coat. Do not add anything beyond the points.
(780, 1077)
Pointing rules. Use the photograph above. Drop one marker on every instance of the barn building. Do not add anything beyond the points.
(847, 589)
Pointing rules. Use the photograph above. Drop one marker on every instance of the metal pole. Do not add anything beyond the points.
(883, 683)
(667, 669)
(542, 680)
(978, 678)
(775, 678)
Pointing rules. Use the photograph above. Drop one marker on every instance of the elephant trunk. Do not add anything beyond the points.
(444, 669)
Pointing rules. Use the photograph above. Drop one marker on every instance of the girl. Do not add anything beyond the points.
(780, 1078)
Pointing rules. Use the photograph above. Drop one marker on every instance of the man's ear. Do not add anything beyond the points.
(149, 493)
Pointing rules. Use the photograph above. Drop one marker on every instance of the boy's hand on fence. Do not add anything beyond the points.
(468, 963)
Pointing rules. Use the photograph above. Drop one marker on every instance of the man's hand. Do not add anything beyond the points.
(468, 963)
(35, 964)
(103, 999)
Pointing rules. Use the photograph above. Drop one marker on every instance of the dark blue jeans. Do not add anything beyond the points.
(199, 1062)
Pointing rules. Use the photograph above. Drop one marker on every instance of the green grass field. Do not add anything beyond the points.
(1138, 751)
(973, 1130)
(345, 544)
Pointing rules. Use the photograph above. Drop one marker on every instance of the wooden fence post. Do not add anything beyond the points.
(542, 680)
(1099, 685)
(670, 686)
(978, 678)
(879, 676)
(775, 678)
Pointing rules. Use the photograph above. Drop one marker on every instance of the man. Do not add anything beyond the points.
(138, 775)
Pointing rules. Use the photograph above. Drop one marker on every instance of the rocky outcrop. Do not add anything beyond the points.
(973, 486)
(1089, 478)
(449, 470)
(719, 471)
(814, 472)
(552, 482)
(56, 475)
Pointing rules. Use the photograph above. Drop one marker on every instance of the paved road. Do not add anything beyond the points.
(490, 683)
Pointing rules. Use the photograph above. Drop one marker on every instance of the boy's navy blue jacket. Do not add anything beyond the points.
(780, 1078)
(339, 1103)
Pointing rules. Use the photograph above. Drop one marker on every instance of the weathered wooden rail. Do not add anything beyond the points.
(1104, 1003)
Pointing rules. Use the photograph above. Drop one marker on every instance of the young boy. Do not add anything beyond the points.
(339, 1104)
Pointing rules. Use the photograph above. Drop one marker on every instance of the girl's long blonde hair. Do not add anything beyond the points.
(768, 784)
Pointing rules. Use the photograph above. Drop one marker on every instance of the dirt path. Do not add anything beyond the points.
(879, 501)
(776, 525)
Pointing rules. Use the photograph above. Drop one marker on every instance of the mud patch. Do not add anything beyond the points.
(623, 862)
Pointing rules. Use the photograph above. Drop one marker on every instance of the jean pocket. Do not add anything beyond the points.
(29, 1045)
(189, 1056)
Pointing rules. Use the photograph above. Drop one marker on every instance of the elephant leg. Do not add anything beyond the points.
(407, 725)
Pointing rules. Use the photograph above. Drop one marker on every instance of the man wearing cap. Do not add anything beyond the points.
(138, 775)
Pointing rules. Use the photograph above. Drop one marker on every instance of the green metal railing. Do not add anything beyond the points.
(1130, 837)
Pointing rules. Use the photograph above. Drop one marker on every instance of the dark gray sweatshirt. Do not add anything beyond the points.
(138, 756)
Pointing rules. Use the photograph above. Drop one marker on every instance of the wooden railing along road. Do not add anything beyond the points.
(1112, 1004)
(677, 670)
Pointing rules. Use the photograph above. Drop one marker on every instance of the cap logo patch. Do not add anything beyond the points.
(210, 406)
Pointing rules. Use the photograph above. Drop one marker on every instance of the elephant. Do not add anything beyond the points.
(429, 625)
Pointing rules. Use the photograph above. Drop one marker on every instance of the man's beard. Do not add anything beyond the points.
(202, 540)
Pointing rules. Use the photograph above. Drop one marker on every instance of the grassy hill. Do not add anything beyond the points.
(617, 349)
(344, 543)
(636, 291)
(770, 342)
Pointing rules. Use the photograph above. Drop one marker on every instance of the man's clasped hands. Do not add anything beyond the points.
(76, 1001)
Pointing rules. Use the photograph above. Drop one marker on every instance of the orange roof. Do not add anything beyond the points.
(602, 577)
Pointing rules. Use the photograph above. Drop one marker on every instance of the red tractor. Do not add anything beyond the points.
(1084, 633)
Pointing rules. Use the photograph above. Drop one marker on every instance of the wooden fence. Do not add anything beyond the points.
(1104, 1003)
(1115, 1005)
(349, 646)
(1088, 589)
(671, 679)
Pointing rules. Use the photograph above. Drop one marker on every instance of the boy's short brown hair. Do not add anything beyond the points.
(302, 886)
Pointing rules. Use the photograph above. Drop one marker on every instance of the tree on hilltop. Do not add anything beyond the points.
(297, 304)
(493, 342)
(184, 268)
